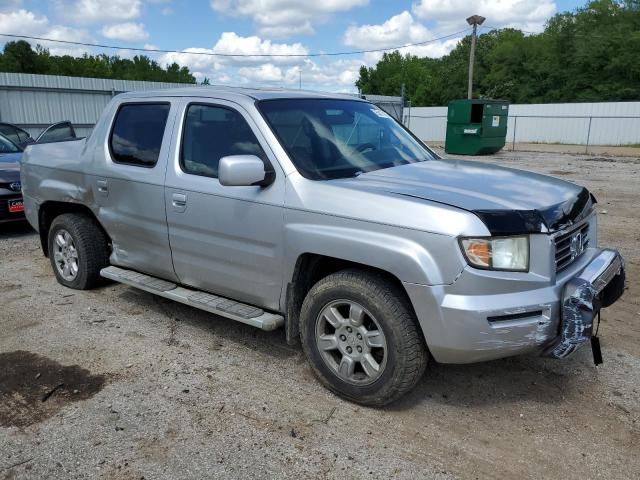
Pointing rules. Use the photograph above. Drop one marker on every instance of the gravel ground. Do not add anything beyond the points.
(135, 386)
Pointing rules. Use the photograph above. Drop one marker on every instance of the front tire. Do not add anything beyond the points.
(78, 250)
(361, 337)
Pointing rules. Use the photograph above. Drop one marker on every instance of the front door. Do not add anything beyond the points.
(225, 240)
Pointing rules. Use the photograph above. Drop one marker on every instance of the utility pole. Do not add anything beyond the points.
(474, 21)
(402, 94)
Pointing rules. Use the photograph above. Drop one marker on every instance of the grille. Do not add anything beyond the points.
(4, 207)
(570, 245)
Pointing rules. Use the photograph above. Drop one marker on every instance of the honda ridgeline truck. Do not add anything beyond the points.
(323, 215)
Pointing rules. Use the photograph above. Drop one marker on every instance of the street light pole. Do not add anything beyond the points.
(474, 21)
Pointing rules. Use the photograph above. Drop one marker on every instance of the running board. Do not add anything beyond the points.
(224, 307)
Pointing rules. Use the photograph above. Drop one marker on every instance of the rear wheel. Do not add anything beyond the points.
(78, 250)
(362, 338)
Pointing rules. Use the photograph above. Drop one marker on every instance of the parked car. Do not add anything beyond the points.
(323, 215)
(17, 135)
(57, 132)
(11, 204)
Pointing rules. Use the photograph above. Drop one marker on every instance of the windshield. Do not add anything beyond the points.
(329, 139)
(7, 146)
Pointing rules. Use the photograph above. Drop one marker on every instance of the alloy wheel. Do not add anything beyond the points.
(351, 342)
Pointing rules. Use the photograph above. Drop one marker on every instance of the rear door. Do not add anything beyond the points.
(225, 240)
(58, 132)
(129, 185)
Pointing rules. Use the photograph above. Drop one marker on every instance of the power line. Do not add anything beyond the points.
(211, 54)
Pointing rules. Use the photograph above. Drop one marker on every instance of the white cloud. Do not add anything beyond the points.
(99, 11)
(230, 44)
(25, 22)
(338, 75)
(399, 30)
(128, 32)
(194, 62)
(522, 14)
(284, 18)
(167, 11)
(267, 72)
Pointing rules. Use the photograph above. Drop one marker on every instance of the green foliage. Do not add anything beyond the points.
(19, 57)
(589, 55)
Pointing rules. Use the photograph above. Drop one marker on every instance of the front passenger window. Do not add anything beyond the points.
(211, 133)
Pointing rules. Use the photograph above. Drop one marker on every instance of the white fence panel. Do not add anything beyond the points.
(610, 123)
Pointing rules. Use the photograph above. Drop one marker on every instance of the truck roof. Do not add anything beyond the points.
(235, 92)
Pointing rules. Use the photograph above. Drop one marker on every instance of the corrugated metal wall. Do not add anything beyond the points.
(35, 101)
(614, 123)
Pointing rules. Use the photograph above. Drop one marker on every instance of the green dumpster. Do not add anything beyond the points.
(476, 127)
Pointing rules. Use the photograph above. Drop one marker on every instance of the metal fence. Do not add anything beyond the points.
(586, 124)
(392, 105)
(586, 130)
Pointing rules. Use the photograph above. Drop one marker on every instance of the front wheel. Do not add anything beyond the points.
(361, 337)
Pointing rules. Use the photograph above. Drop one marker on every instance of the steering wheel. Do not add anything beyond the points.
(363, 147)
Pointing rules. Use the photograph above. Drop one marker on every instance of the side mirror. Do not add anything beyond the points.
(243, 171)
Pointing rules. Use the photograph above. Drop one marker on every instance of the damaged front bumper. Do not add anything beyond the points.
(488, 315)
(599, 285)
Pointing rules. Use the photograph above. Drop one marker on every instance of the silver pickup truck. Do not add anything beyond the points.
(323, 215)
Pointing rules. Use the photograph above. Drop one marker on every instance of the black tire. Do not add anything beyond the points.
(91, 245)
(406, 352)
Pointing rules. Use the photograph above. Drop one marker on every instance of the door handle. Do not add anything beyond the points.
(103, 187)
(179, 200)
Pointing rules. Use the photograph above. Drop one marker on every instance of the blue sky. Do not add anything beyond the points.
(268, 27)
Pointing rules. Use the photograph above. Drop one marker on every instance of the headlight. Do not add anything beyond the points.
(497, 253)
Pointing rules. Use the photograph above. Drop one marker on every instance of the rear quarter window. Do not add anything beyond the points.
(136, 136)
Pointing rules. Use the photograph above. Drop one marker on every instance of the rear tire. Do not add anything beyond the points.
(362, 316)
(78, 250)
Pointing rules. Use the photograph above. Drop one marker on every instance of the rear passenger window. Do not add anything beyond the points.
(137, 133)
(211, 133)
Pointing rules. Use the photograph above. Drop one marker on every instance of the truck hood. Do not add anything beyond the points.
(507, 200)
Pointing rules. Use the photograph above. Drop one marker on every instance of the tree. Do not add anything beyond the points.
(20, 57)
(590, 54)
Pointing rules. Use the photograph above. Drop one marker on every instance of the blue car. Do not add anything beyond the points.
(11, 204)
(13, 141)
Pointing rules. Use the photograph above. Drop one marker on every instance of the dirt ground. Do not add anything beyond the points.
(117, 383)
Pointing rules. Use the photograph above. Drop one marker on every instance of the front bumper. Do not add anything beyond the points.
(464, 327)
(6, 215)
(599, 285)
